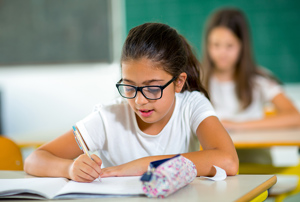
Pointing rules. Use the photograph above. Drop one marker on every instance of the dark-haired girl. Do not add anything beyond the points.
(163, 110)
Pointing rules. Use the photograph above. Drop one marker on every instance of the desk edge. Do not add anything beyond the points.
(252, 145)
(258, 190)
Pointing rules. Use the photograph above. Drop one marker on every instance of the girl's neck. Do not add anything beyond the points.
(150, 128)
(224, 75)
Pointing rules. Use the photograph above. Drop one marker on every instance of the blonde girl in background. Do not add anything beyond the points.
(163, 111)
(239, 89)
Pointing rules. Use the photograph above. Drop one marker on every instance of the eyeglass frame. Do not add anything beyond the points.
(137, 88)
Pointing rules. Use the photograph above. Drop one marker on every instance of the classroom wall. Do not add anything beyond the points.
(274, 24)
(40, 102)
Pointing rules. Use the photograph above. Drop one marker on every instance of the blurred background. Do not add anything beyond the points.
(60, 58)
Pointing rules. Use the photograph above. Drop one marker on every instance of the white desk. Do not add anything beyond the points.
(236, 188)
(265, 138)
(254, 142)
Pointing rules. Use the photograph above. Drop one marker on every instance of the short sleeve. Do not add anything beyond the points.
(269, 88)
(92, 130)
(200, 109)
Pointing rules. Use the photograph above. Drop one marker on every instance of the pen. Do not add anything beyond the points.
(81, 144)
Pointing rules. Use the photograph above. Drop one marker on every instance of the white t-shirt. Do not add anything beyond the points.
(226, 103)
(113, 131)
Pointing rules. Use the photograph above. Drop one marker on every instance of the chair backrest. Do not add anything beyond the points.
(10, 155)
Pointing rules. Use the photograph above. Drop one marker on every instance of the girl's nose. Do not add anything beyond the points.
(140, 99)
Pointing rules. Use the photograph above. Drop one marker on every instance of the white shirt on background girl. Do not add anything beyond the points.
(227, 105)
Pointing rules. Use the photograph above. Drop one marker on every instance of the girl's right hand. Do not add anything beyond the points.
(84, 169)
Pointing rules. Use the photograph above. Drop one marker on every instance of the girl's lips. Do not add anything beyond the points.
(146, 113)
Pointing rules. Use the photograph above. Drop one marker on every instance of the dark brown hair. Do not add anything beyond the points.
(161, 43)
(246, 69)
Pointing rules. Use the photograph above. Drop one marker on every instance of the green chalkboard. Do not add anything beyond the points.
(47, 31)
(274, 26)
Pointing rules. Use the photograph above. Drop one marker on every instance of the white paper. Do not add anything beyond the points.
(49, 188)
(220, 174)
(109, 185)
(44, 186)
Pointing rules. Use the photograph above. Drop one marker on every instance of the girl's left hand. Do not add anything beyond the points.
(134, 168)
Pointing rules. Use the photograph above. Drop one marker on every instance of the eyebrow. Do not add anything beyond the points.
(145, 82)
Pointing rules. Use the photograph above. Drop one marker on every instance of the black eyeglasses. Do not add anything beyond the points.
(149, 92)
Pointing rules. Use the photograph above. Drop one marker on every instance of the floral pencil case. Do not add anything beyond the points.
(166, 176)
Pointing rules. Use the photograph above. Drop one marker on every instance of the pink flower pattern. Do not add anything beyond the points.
(169, 177)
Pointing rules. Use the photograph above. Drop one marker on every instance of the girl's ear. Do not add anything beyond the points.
(180, 81)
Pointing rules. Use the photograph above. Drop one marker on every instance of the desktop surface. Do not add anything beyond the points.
(233, 188)
(265, 138)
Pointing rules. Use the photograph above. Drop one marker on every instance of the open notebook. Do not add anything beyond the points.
(62, 188)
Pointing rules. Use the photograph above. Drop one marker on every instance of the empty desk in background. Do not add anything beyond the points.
(279, 140)
(265, 138)
(282, 145)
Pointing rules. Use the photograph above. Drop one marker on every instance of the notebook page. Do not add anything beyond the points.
(109, 185)
(46, 187)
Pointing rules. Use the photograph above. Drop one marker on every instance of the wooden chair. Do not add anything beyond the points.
(10, 155)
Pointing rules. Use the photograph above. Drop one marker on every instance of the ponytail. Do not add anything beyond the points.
(193, 68)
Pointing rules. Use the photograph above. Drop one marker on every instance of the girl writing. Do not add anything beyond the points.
(239, 90)
(164, 111)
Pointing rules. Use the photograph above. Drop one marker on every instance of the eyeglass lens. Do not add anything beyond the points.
(151, 92)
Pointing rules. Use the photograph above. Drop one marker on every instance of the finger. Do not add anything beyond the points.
(92, 164)
(85, 177)
(87, 165)
(108, 172)
(96, 159)
(90, 167)
(98, 163)
(77, 174)
(88, 176)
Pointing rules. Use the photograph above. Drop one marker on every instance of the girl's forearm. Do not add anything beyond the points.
(203, 160)
(206, 159)
(43, 163)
